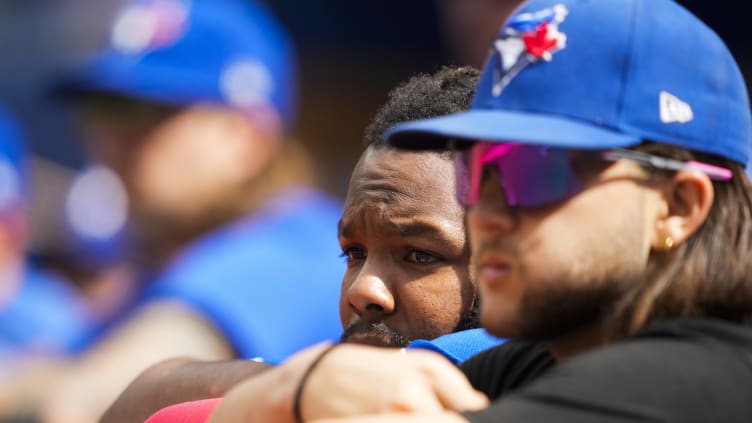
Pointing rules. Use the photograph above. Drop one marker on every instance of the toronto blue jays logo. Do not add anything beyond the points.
(527, 38)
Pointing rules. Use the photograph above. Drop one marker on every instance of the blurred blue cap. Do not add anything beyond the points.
(602, 74)
(13, 181)
(179, 52)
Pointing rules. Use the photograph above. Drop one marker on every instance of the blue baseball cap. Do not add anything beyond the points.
(601, 74)
(179, 52)
(13, 181)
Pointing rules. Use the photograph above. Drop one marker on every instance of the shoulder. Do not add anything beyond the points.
(671, 351)
(459, 346)
(508, 366)
(295, 227)
(250, 278)
(689, 371)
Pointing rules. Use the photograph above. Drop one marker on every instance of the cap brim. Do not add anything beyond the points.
(504, 126)
(115, 76)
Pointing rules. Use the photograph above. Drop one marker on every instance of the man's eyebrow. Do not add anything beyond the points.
(413, 229)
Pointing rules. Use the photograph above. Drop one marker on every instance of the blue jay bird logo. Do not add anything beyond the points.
(527, 38)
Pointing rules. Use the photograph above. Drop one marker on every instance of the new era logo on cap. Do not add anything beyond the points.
(673, 110)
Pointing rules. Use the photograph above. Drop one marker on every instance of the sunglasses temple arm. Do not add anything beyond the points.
(714, 172)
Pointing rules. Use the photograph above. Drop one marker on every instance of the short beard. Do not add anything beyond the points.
(560, 309)
(382, 335)
(389, 337)
(471, 318)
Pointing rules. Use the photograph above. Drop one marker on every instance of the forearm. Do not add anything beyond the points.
(268, 397)
(178, 380)
(155, 333)
(264, 398)
(24, 384)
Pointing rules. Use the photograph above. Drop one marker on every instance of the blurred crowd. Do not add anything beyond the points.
(170, 170)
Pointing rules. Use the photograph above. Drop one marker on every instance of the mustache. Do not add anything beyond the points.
(380, 332)
(493, 246)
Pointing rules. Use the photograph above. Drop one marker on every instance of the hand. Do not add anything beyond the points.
(352, 381)
(267, 397)
(357, 380)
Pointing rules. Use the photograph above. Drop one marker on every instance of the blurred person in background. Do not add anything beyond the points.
(406, 282)
(41, 315)
(191, 108)
(13, 223)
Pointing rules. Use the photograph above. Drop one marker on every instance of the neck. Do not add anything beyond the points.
(578, 341)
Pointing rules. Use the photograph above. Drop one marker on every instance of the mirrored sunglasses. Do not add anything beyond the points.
(533, 176)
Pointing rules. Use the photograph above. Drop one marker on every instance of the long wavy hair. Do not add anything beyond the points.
(708, 276)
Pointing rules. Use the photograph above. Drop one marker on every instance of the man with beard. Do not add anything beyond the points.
(403, 238)
(610, 222)
(402, 232)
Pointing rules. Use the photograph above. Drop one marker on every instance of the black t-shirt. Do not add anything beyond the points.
(507, 367)
(688, 371)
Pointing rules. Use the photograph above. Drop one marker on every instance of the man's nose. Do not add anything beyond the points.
(370, 296)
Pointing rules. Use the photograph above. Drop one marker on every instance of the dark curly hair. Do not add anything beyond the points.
(449, 90)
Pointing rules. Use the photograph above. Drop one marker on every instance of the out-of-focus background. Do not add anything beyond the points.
(351, 54)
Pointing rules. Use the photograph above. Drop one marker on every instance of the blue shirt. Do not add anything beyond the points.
(459, 346)
(270, 283)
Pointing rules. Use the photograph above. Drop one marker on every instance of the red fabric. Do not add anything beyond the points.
(187, 412)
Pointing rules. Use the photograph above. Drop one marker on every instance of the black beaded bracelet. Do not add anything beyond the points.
(296, 412)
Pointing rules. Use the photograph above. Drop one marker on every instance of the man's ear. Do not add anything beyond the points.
(689, 196)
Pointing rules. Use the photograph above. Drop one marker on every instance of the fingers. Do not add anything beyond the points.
(460, 396)
(419, 381)
(449, 384)
(413, 397)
